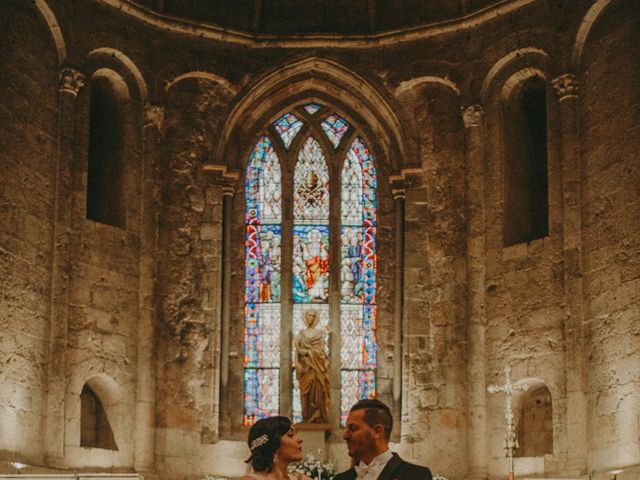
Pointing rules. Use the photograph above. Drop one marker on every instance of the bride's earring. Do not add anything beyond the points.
(276, 459)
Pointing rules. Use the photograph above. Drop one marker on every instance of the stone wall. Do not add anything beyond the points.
(609, 114)
(189, 277)
(28, 139)
(137, 311)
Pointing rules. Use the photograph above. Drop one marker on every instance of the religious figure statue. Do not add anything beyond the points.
(312, 370)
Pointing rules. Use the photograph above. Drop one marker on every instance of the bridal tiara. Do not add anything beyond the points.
(258, 442)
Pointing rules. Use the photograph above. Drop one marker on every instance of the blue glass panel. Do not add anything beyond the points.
(287, 127)
(263, 188)
(358, 277)
(262, 283)
(312, 108)
(335, 127)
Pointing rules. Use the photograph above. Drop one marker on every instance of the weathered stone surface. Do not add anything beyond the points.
(138, 310)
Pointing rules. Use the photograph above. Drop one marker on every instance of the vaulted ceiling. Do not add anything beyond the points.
(300, 17)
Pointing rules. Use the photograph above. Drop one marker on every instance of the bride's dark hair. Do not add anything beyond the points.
(264, 441)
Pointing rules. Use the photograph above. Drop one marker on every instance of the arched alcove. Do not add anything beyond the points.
(95, 429)
(99, 417)
(105, 199)
(535, 423)
(526, 206)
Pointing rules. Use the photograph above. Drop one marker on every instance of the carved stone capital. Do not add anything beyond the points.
(472, 116)
(154, 116)
(398, 193)
(219, 174)
(71, 80)
(402, 180)
(565, 85)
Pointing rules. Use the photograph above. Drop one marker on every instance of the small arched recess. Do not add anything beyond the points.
(535, 422)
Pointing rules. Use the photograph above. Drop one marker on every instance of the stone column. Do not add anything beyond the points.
(227, 219)
(146, 382)
(476, 253)
(217, 225)
(71, 81)
(286, 294)
(335, 342)
(566, 88)
(398, 193)
(409, 196)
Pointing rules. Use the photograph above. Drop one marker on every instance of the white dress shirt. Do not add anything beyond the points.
(374, 469)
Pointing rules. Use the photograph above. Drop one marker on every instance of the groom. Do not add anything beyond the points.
(367, 435)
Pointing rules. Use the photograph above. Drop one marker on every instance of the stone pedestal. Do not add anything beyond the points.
(314, 436)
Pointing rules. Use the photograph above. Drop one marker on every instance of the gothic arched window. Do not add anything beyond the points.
(330, 262)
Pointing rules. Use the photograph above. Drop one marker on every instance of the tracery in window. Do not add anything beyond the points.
(312, 108)
(287, 127)
(335, 127)
(311, 255)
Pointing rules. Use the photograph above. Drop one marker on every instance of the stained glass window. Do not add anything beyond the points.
(358, 277)
(262, 283)
(310, 269)
(312, 108)
(335, 127)
(309, 209)
(287, 127)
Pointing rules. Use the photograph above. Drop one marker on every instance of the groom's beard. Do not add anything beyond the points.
(355, 460)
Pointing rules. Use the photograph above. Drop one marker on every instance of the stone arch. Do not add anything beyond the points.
(110, 384)
(112, 66)
(316, 79)
(109, 95)
(54, 28)
(117, 61)
(524, 59)
(428, 103)
(534, 418)
(506, 119)
(106, 394)
(586, 25)
(203, 75)
(414, 82)
(525, 166)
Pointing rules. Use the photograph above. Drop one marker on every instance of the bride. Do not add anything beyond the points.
(274, 444)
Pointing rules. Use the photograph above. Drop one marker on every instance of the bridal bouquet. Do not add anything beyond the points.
(314, 468)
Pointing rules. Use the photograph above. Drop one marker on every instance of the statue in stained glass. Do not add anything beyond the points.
(309, 271)
(312, 370)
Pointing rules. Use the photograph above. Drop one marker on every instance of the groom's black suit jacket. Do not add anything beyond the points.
(395, 469)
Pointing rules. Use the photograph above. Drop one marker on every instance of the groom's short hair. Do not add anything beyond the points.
(376, 413)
